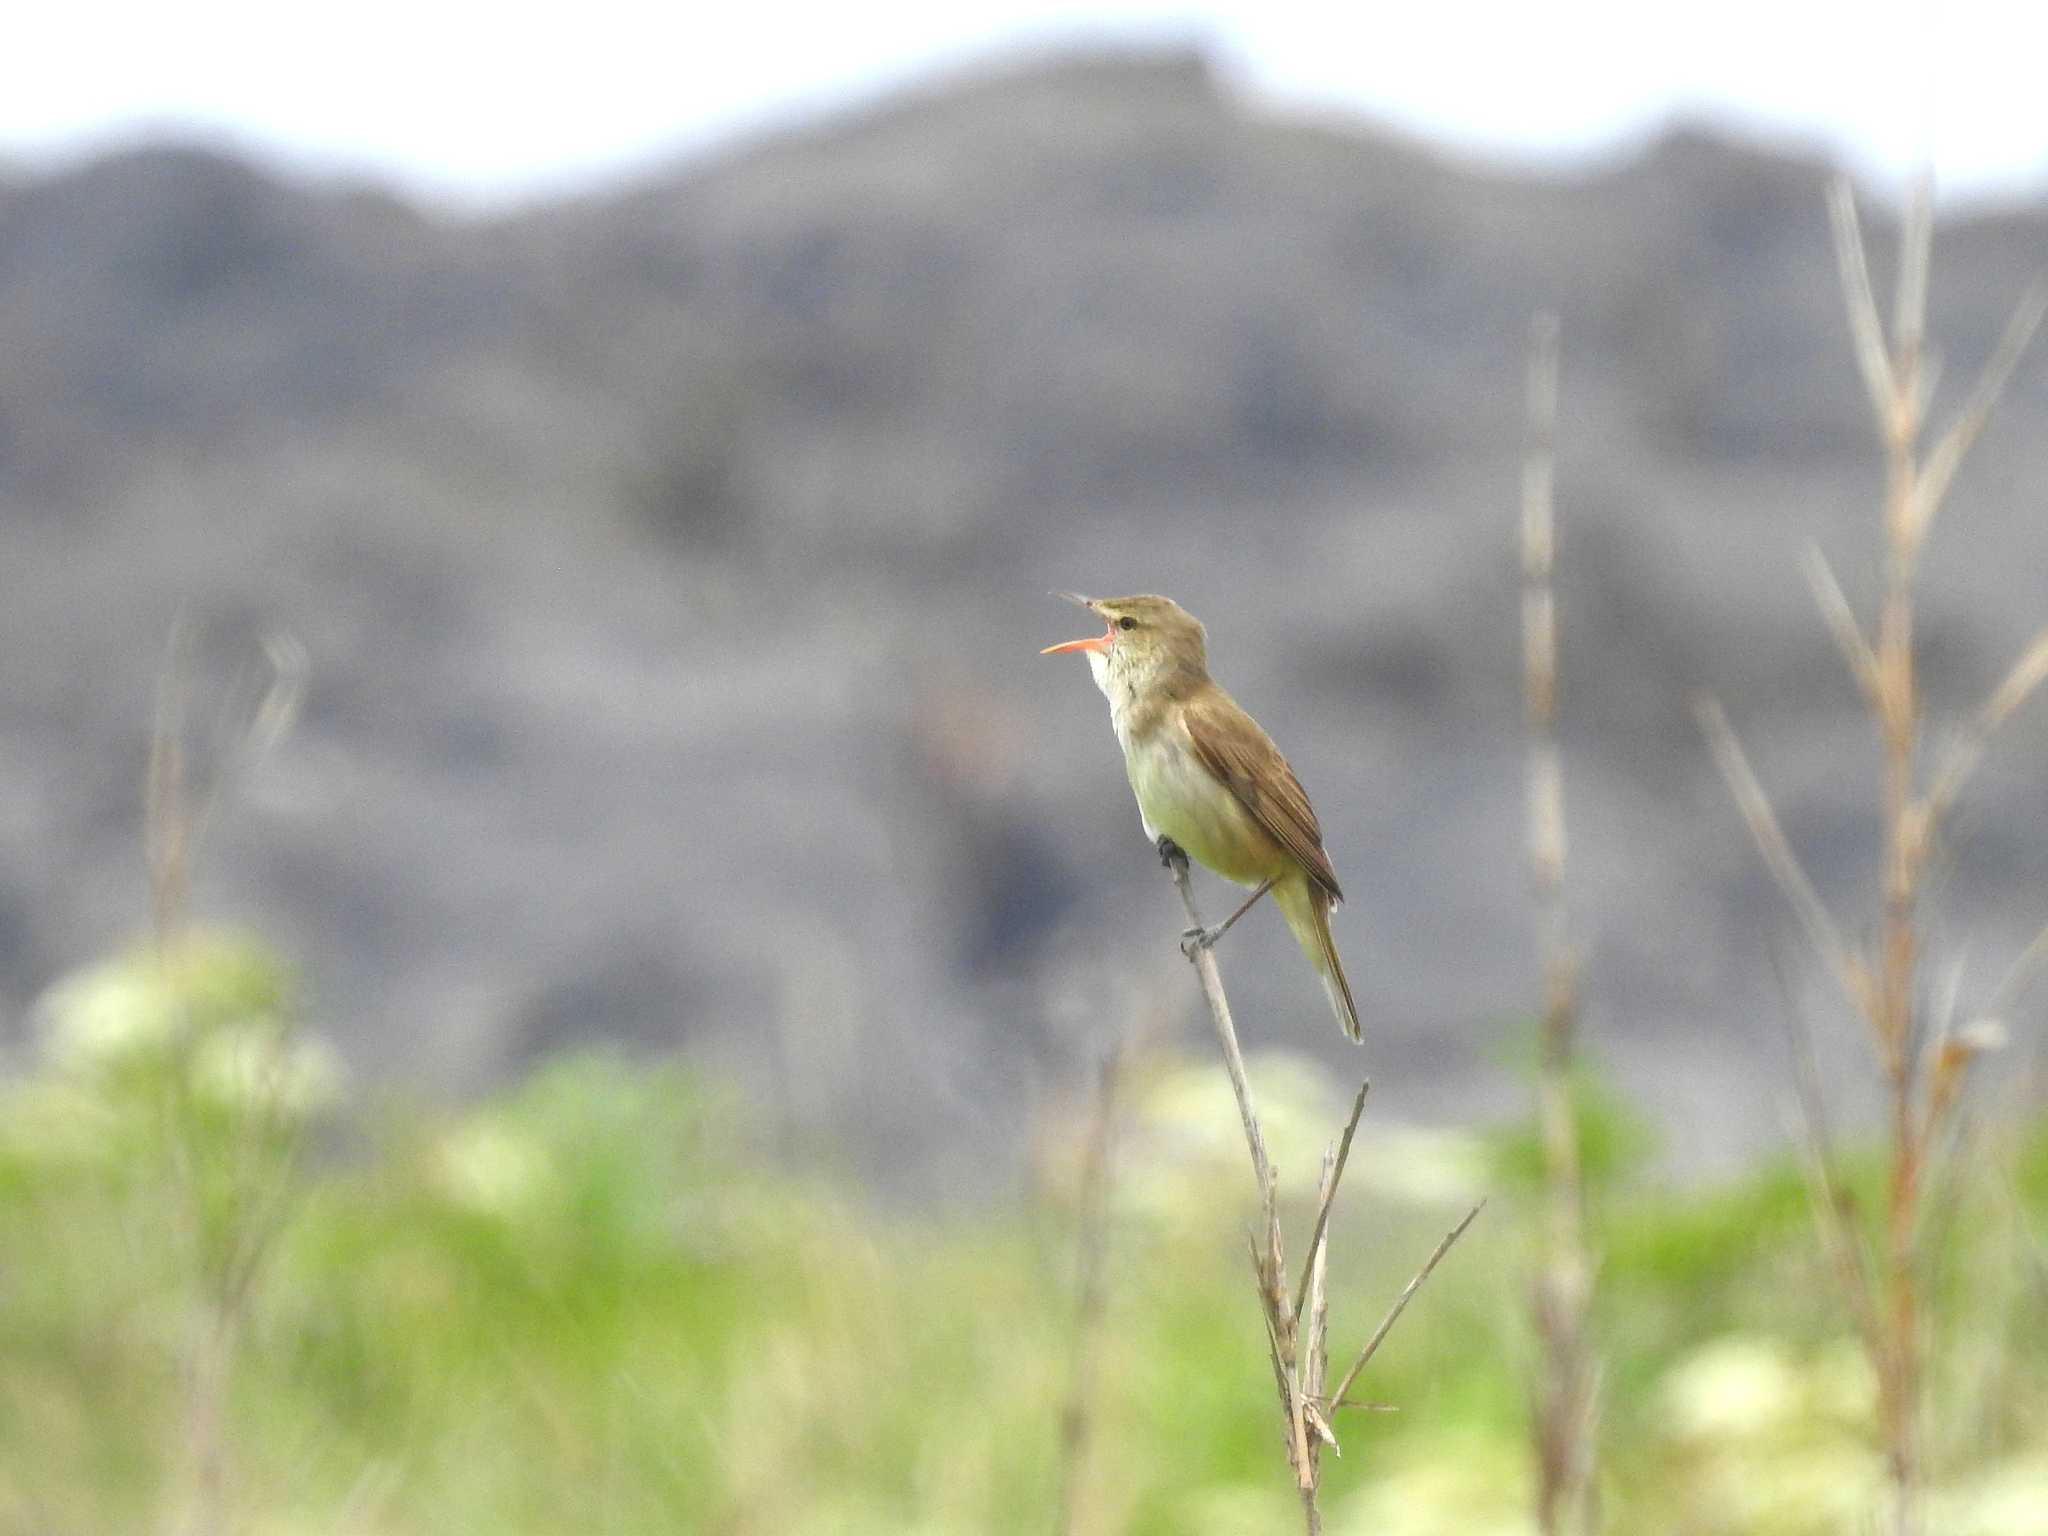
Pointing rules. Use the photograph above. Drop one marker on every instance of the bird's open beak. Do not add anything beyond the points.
(1101, 642)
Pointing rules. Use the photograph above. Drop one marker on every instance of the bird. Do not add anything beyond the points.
(1210, 783)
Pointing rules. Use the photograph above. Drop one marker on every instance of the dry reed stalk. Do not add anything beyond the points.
(229, 1270)
(1297, 1324)
(1565, 1398)
(1922, 1078)
(1077, 1418)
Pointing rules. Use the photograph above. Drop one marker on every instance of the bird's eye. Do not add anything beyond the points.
(1127, 622)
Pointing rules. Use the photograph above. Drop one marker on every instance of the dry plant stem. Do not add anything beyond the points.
(175, 817)
(1092, 1244)
(1833, 1212)
(1327, 1193)
(1312, 1303)
(1203, 958)
(2017, 976)
(1268, 1264)
(260, 1175)
(167, 820)
(1563, 1284)
(1921, 1082)
(1898, 725)
(1341, 1397)
(1777, 853)
(1891, 1011)
(1963, 755)
(1297, 1325)
(1841, 622)
(1297, 1354)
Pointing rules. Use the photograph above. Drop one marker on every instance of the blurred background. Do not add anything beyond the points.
(659, 440)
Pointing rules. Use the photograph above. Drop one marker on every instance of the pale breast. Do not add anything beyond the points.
(1179, 798)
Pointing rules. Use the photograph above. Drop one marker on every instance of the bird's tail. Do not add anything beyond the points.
(1306, 906)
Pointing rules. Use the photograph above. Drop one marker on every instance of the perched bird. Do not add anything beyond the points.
(1211, 784)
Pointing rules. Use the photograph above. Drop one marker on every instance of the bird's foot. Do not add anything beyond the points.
(1193, 939)
(1171, 856)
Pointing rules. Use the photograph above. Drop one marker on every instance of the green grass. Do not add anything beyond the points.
(588, 1305)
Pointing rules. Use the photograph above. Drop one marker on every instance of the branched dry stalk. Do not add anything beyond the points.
(1883, 1275)
(1298, 1319)
(228, 1267)
(1565, 1402)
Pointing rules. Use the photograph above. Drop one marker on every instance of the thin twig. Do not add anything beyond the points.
(1841, 621)
(1328, 1194)
(1313, 1313)
(1948, 453)
(1830, 1205)
(1277, 1350)
(1865, 328)
(1204, 960)
(167, 815)
(2017, 975)
(1967, 750)
(1777, 853)
(1340, 1398)
(1909, 297)
(1563, 1284)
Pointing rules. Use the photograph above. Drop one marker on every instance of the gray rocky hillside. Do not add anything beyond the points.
(672, 566)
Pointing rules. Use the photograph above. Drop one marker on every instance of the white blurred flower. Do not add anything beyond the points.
(485, 1166)
(250, 1068)
(1731, 1388)
(97, 1018)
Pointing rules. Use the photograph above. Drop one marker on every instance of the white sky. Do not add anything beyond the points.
(484, 104)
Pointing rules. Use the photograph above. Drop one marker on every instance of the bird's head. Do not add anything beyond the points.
(1144, 637)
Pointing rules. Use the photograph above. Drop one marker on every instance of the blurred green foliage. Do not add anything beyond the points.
(592, 1304)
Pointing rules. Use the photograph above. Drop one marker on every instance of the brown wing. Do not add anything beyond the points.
(1231, 746)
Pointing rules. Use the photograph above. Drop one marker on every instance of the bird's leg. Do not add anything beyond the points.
(1204, 938)
(1170, 854)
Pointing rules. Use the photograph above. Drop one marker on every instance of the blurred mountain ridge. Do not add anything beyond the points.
(670, 559)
